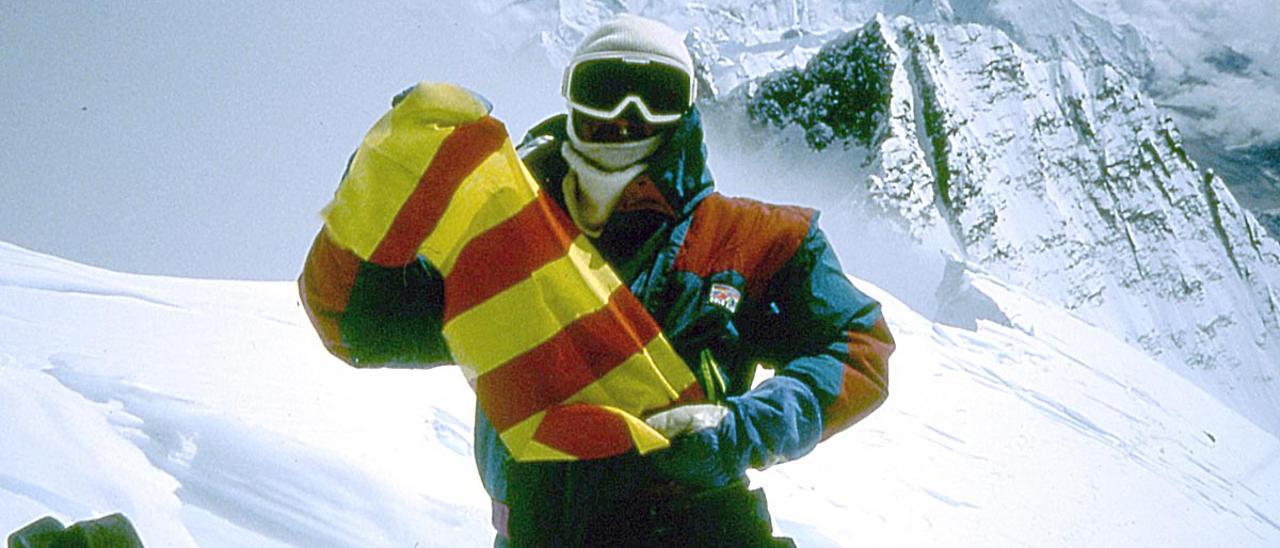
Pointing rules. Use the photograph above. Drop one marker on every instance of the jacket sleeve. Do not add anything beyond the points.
(845, 340)
(371, 315)
(831, 348)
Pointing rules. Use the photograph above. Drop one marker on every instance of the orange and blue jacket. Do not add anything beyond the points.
(733, 284)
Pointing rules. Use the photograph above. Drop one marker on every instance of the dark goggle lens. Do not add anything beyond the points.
(603, 83)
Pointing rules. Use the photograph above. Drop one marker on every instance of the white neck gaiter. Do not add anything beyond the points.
(598, 172)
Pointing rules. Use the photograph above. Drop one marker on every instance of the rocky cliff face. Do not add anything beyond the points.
(1055, 174)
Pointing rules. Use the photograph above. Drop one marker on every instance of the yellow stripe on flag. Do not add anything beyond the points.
(444, 104)
(518, 437)
(531, 311)
(489, 195)
(670, 365)
(536, 451)
(646, 439)
(635, 386)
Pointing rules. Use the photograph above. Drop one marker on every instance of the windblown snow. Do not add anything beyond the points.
(208, 413)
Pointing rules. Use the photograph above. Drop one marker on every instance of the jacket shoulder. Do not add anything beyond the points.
(540, 152)
(752, 238)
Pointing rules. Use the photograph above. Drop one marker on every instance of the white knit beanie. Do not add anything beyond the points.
(628, 33)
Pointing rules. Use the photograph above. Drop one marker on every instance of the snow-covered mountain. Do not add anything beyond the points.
(209, 414)
(1060, 178)
(1213, 66)
(1216, 67)
(1014, 137)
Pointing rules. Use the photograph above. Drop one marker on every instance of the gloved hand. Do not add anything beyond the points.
(703, 450)
(713, 444)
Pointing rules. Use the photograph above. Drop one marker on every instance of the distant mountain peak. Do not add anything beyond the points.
(1062, 178)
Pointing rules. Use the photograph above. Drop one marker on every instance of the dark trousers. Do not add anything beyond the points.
(594, 510)
(730, 516)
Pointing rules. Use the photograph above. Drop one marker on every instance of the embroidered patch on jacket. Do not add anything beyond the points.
(725, 296)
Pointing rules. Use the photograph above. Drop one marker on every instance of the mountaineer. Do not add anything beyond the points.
(733, 283)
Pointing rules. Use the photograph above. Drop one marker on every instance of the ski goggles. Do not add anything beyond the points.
(603, 87)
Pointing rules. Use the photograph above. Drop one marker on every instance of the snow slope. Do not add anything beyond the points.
(209, 414)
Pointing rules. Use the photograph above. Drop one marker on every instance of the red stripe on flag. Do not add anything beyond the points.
(584, 431)
(506, 254)
(576, 356)
(460, 154)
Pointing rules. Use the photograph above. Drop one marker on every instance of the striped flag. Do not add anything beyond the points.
(563, 358)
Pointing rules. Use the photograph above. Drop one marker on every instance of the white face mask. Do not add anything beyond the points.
(590, 193)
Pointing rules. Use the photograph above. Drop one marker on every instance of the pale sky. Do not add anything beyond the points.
(201, 141)
(162, 138)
